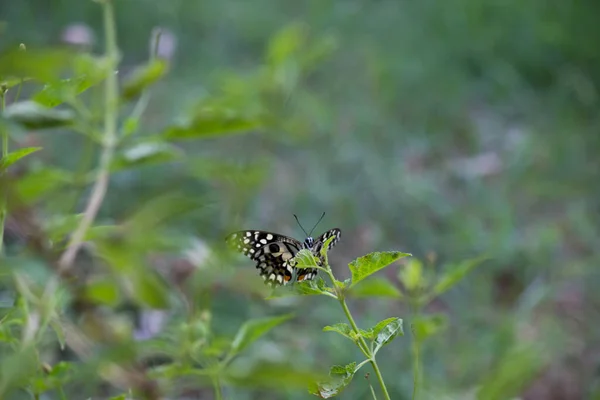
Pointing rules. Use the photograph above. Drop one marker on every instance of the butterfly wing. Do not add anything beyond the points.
(307, 274)
(272, 252)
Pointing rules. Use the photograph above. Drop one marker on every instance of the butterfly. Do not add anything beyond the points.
(274, 253)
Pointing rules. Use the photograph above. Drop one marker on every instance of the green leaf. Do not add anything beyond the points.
(59, 332)
(15, 156)
(339, 377)
(343, 329)
(312, 287)
(38, 184)
(411, 275)
(455, 273)
(213, 120)
(514, 372)
(144, 76)
(386, 331)
(44, 65)
(33, 115)
(17, 368)
(375, 287)
(305, 259)
(425, 326)
(364, 266)
(149, 153)
(149, 290)
(252, 330)
(269, 375)
(57, 376)
(286, 43)
(103, 291)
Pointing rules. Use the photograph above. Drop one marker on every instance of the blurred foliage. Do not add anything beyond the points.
(458, 131)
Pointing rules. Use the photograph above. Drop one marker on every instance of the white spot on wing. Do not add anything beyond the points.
(269, 236)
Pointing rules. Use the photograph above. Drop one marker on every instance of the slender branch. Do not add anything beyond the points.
(109, 142)
(4, 134)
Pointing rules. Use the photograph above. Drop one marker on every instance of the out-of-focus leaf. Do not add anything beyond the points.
(339, 377)
(375, 287)
(514, 372)
(54, 377)
(285, 43)
(150, 153)
(15, 156)
(33, 115)
(276, 376)
(16, 369)
(37, 184)
(252, 330)
(45, 65)
(426, 326)
(343, 329)
(144, 76)
(59, 226)
(149, 290)
(119, 397)
(213, 120)
(103, 291)
(411, 275)
(455, 274)
(386, 331)
(159, 210)
(364, 266)
(59, 332)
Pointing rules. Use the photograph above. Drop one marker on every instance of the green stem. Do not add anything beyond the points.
(4, 134)
(111, 91)
(218, 390)
(362, 344)
(415, 308)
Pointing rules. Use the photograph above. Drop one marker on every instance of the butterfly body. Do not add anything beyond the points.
(274, 253)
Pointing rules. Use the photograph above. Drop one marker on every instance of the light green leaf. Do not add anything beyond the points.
(33, 115)
(364, 266)
(15, 156)
(45, 65)
(149, 153)
(455, 273)
(343, 329)
(59, 332)
(37, 184)
(425, 326)
(386, 331)
(268, 375)
(144, 76)
(305, 259)
(253, 330)
(103, 291)
(286, 43)
(375, 287)
(312, 287)
(411, 275)
(339, 377)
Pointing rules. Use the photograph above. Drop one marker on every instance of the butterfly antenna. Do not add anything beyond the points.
(311, 231)
(298, 221)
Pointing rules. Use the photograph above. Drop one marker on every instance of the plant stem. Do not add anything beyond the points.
(4, 134)
(109, 142)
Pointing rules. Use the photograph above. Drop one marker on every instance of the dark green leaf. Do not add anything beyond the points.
(33, 115)
(364, 266)
(252, 330)
(375, 287)
(103, 291)
(454, 274)
(386, 331)
(426, 326)
(343, 329)
(150, 153)
(144, 76)
(515, 371)
(15, 156)
(339, 378)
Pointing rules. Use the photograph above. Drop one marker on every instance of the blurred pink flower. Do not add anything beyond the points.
(166, 45)
(78, 34)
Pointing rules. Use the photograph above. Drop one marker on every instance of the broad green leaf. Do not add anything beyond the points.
(305, 259)
(343, 329)
(364, 266)
(386, 331)
(514, 372)
(45, 65)
(455, 273)
(15, 156)
(33, 115)
(426, 326)
(254, 329)
(311, 287)
(38, 184)
(277, 376)
(339, 377)
(16, 369)
(375, 287)
(149, 290)
(144, 76)
(411, 275)
(213, 120)
(103, 291)
(159, 210)
(149, 153)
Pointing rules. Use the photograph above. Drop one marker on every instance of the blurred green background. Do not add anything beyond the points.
(446, 129)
